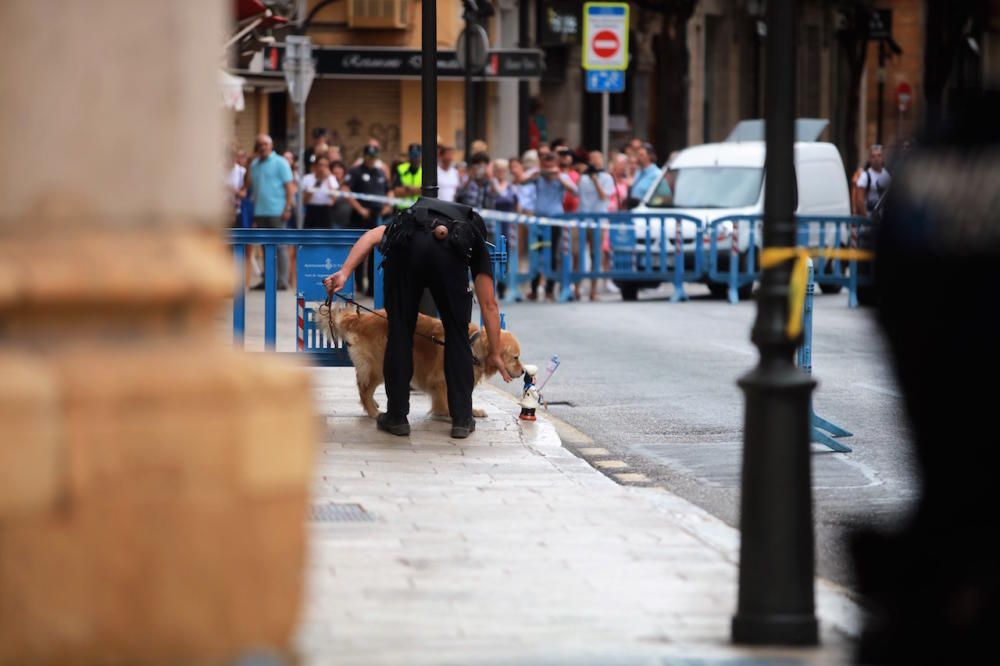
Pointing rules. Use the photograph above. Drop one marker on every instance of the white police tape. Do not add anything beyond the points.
(500, 216)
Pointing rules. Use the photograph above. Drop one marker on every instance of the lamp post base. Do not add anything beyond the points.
(775, 629)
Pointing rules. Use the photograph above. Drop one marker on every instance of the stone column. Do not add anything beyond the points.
(153, 481)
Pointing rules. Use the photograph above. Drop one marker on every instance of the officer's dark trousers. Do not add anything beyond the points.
(430, 263)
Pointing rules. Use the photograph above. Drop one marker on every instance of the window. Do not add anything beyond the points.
(708, 187)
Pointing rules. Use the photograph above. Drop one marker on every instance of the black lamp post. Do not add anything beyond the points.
(776, 601)
(428, 100)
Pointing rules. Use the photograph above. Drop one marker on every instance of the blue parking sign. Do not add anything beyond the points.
(605, 81)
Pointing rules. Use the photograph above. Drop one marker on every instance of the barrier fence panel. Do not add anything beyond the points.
(625, 247)
(734, 243)
(320, 252)
(838, 233)
(804, 358)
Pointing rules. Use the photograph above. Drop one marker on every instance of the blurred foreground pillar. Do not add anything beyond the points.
(153, 482)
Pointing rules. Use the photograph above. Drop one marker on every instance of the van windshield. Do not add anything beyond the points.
(708, 187)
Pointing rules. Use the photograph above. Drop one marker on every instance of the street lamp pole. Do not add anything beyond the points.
(470, 101)
(428, 100)
(776, 599)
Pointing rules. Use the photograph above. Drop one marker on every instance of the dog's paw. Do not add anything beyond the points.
(479, 413)
(439, 417)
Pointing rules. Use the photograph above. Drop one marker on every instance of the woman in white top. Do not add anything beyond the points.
(318, 191)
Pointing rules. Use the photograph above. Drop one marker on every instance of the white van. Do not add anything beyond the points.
(716, 180)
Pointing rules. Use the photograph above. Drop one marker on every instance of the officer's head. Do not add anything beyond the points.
(370, 155)
(413, 152)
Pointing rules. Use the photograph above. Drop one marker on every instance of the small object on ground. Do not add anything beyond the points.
(529, 394)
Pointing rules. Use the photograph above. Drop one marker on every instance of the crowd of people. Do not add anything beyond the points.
(549, 180)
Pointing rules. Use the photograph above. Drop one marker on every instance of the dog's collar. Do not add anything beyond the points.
(472, 341)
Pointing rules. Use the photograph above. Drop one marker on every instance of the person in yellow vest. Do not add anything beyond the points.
(406, 181)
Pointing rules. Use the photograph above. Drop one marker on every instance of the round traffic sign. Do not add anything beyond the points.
(904, 93)
(479, 47)
(605, 44)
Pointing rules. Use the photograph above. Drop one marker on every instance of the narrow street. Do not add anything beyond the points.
(654, 383)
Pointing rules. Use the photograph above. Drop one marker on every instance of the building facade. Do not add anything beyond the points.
(870, 88)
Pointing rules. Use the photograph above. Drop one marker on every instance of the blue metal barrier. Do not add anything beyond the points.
(817, 424)
(742, 269)
(320, 252)
(643, 249)
(741, 265)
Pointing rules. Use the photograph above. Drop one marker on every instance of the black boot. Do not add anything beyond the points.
(397, 425)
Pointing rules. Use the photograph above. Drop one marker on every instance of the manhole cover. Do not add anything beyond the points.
(340, 513)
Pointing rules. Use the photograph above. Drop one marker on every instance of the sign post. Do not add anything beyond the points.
(300, 70)
(605, 53)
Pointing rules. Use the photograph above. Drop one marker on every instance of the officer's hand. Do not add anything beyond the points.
(496, 360)
(365, 213)
(335, 282)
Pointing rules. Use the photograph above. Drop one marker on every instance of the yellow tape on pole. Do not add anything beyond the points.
(772, 256)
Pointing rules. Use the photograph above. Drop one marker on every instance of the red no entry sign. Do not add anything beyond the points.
(605, 36)
(605, 43)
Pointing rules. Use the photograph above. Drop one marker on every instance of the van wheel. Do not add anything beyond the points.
(830, 288)
(630, 291)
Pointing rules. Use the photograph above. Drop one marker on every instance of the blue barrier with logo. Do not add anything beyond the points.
(316, 249)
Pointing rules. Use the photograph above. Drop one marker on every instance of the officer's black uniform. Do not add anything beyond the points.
(417, 260)
(363, 179)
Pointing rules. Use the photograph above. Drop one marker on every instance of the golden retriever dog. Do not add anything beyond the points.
(367, 334)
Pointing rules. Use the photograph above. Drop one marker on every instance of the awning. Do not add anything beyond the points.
(346, 62)
(232, 90)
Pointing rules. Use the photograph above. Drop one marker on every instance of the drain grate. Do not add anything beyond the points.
(560, 403)
(340, 513)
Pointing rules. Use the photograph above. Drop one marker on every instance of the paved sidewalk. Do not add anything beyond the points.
(505, 548)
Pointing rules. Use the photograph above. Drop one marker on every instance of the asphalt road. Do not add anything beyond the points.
(654, 382)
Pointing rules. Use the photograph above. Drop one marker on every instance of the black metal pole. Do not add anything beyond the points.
(881, 88)
(428, 100)
(776, 603)
(469, 94)
(523, 91)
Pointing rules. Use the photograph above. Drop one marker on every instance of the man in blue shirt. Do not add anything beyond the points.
(551, 186)
(273, 193)
(648, 172)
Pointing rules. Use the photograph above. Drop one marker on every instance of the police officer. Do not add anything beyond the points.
(367, 178)
(434, 245)
(407, 179)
